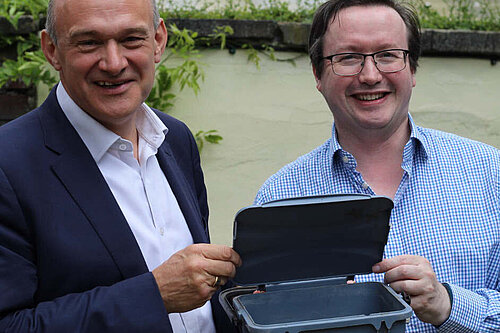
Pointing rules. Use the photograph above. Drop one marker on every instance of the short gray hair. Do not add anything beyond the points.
(50, 23)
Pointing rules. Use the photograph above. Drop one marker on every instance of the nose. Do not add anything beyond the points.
(113, 60)
(370, 73)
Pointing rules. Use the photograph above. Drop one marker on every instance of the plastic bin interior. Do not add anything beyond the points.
(329, 302)
(310, 238)
(364, 307)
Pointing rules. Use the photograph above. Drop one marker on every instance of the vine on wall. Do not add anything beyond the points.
(31, 68)
(456, 14)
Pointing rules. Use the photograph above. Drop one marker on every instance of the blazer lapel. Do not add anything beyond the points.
(181, 189)
(79, 173)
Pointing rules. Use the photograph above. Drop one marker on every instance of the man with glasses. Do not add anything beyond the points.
(103, 207)
(443, 249)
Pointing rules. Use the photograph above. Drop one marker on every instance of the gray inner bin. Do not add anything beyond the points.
(315, 303)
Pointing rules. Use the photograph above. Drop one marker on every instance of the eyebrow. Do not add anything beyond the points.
(348, 48)
(143, 31)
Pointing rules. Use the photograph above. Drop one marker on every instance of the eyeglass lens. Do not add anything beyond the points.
(388, 61)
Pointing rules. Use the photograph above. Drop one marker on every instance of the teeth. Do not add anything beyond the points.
(108, 84)
(369, 97)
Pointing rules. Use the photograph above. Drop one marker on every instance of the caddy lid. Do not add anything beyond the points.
(310, 238)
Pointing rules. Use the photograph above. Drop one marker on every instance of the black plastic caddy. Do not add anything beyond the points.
(298, 253)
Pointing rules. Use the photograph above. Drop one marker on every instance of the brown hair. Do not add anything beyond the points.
(330, 9)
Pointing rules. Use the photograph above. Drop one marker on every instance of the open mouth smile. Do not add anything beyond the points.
(110, 85)
(369, 97)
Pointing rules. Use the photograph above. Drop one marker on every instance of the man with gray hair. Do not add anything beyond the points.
(103, 207)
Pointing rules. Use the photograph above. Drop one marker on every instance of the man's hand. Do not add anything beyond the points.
(187, 279)
(414, 275)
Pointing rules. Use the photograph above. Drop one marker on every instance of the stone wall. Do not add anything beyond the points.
(287, 36)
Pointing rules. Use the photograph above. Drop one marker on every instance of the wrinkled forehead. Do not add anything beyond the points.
(102, 16)
(71, 7)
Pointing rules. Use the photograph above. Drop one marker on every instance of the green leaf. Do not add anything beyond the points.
(213, 138)
(206, 136)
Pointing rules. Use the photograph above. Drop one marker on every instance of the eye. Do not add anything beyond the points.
(133, 41)
(389, 55)
(87, 44)
(347, 59)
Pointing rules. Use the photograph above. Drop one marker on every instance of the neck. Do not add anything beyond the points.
(371, 144)
(378, 155)
(128, 131)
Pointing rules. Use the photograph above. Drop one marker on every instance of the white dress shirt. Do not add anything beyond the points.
(142, 192)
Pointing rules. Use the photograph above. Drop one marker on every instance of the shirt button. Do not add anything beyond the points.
(123, 146)
(364, 186)
(345, 159)
(162, 231)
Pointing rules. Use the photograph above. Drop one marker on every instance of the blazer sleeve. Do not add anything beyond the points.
(199, 181)
(131, 305)
(185, 151)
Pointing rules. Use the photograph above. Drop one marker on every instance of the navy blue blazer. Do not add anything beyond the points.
(68, 259)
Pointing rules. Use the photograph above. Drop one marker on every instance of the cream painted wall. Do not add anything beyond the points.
(269, 117)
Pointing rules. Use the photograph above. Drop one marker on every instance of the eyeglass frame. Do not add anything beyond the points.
(330, 57)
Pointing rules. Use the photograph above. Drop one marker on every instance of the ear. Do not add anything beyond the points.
(413, 78)
(318, 80)
(161, 37)
(49, 49)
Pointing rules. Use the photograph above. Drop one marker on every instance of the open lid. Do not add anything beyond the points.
(310, 238)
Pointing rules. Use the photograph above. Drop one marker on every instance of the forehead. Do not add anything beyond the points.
(365, 29)
(101, 15)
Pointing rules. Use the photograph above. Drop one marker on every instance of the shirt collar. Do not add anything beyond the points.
(98, 138)
(418, 140)
(150, 127)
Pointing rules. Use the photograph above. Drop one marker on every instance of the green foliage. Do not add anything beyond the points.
(253, 55)
(181, 66)
(181, 47)
(275, 10)
(207, 136)
(182, 50)
(31, 67)
(12, 14)
(267, 51)
(161, 97)
(12, 10)
(460, 14)
(220, 36)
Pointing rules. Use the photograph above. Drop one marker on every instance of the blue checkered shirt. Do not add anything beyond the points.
(446, 209)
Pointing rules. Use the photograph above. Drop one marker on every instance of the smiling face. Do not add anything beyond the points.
(370, 102)
(105, 54)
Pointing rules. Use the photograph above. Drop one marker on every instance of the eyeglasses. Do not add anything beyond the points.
(352, 63)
